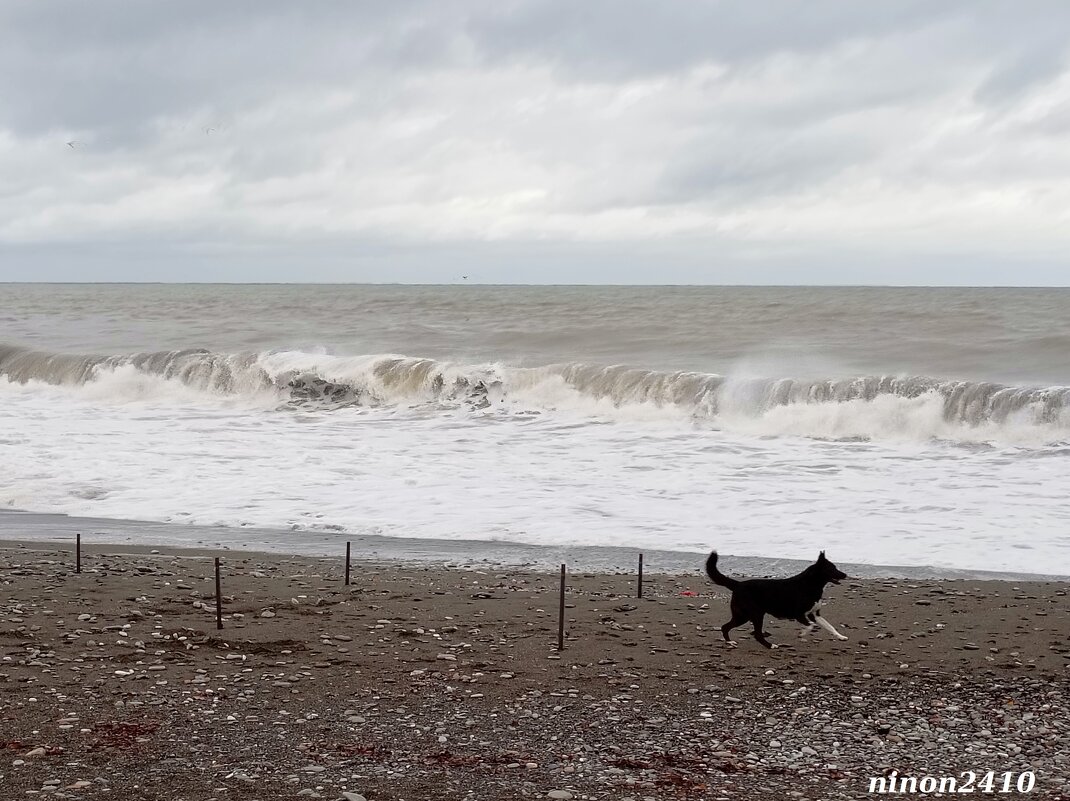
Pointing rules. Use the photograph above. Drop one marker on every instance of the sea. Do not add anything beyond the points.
(906, 430)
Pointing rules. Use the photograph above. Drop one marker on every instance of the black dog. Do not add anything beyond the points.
(794, 598)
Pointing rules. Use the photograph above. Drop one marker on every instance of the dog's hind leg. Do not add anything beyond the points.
(760, 635)
(828, 626)
(737, 620)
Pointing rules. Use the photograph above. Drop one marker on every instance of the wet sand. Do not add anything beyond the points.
(437, 683)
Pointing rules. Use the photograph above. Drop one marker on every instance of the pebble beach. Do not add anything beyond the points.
(445, 682)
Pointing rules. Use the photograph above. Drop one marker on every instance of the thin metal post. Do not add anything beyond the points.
(561, 614)
(347, 564)
(218, 598)
(78, 552)
(639, 594)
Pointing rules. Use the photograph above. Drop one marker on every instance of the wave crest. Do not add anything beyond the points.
(299, 378)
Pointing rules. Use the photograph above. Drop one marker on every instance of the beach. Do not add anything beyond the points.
(445, 682)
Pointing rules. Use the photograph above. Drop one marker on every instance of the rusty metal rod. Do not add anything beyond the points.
(561, 614)
(218, 598)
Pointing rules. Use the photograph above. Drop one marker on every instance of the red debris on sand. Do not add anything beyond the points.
(123, 735)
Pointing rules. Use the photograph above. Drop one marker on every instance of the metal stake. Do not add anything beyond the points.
(561, 614)
(218, 598)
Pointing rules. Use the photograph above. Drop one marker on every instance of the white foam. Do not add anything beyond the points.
(127, 385)
(890, 418)
(126, 446)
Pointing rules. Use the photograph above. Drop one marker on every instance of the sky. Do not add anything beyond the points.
(603, 141)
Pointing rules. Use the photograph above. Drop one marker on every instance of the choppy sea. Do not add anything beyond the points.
(925, 428)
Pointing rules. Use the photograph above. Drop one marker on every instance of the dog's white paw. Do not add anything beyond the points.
(773, 645)
(840, 637)
(732, 643)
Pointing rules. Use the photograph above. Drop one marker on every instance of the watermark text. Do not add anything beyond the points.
(1004, 783)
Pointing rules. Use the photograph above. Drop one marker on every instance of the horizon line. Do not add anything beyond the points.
(528, 286)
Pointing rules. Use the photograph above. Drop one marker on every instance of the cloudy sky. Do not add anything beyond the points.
(536, 142)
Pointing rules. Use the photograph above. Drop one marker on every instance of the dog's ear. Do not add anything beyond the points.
(821, 557)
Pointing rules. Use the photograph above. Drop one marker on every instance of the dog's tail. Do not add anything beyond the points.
(716, 575)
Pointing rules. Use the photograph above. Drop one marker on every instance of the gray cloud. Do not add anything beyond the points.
(689, 140)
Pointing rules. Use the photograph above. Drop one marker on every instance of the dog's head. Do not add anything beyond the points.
(828, 571)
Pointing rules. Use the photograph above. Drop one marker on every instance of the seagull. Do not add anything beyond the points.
(208, 131)
(73, 144)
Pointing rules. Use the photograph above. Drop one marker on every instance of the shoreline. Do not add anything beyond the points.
(56, 528)
(421, 681)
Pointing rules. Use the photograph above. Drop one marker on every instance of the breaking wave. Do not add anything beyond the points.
(860, 407)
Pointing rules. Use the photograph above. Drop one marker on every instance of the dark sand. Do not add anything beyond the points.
(431, 683)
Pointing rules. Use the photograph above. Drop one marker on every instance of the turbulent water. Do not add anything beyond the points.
(888, 426)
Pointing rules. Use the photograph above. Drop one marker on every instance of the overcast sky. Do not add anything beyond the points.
(538, 142)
